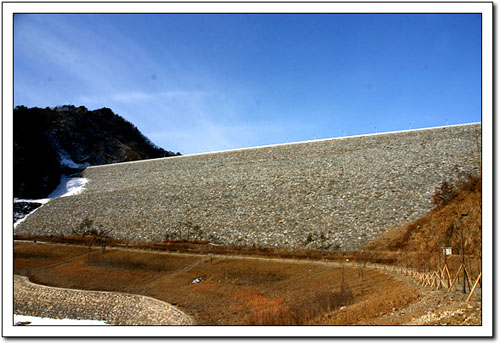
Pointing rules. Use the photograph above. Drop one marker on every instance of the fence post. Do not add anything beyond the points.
(448, 276)
(474, 287)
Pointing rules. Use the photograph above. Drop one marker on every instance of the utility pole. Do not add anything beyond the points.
(462, 242)
(342, 283)
(342, 280)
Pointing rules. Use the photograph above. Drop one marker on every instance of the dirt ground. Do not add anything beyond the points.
(237, 290)
(432, 307)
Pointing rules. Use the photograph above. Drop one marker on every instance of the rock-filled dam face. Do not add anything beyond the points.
(333, 194)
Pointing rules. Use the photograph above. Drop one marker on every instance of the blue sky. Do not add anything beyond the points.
(198, 83)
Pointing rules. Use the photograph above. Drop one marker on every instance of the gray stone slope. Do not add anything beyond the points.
(116, 308)
(336, 193)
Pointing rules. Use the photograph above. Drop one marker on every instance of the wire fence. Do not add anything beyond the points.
(442, 278)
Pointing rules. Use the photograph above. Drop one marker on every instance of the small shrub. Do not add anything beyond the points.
(309, 238)
(84, 227)
(448, 191)
(443, 194)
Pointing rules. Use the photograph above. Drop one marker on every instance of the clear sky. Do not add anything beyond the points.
(198, 83)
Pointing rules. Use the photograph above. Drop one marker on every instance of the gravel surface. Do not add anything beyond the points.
(114, 308)
(435, 307)
(334, 194)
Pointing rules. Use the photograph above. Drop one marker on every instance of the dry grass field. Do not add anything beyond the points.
(235, 290)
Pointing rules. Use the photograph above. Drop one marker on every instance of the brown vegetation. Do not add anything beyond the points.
(369, 304)
(454, 222)
(234, 290)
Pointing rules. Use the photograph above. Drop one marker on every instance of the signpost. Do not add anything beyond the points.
(447, 251)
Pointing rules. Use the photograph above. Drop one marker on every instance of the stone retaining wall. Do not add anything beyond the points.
(115, 308)
(336, 193)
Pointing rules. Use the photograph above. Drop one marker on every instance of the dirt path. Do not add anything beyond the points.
(435, 307)
(115, 308)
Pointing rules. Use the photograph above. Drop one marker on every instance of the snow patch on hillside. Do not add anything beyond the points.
(19, 216)
(69, 186)
(66, 161)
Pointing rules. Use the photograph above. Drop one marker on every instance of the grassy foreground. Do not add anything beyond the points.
(233, 291)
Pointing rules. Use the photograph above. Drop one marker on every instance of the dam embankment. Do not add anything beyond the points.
(335, 193)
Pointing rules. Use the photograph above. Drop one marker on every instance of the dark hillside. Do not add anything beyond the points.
(48, 142)
(36, 164)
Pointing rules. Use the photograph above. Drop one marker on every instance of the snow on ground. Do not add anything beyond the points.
(41, 200)
(49, 321)
(24, 218)
(18, 200)
(68, 186)
(66, 161)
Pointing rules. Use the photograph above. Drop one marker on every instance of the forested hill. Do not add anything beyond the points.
(52, 141)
